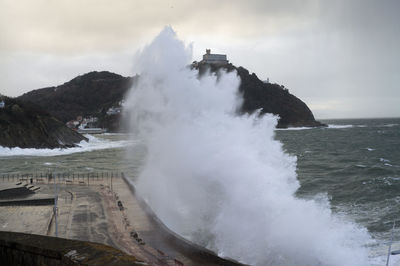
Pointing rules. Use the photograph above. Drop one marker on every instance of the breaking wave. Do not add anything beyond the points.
(84, 146)
(221, 180)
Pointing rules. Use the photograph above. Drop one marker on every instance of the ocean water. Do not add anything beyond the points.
(355, 164)
(103, 153)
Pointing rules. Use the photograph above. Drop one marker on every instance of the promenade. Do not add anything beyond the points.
(102, 210)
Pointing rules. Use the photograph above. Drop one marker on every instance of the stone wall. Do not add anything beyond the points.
(28, 249)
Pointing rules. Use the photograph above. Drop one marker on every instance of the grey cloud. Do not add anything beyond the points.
(76, 26)
(320, 50)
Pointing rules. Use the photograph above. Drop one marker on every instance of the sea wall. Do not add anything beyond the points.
(199, 255)
(28, 249)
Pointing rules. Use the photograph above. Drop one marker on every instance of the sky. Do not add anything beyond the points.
(342, 58)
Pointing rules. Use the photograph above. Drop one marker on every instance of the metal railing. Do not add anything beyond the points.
(84, 178)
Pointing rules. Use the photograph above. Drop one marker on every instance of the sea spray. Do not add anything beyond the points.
(221, 179)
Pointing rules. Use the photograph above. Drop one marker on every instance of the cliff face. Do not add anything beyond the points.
(27, 126)
(268, 97)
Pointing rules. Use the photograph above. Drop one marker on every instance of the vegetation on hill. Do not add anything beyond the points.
(85, 95)
(26, 125)
(92, 94)
(268, 98)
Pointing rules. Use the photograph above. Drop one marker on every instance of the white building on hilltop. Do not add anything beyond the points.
(2, 104)
(217, 59)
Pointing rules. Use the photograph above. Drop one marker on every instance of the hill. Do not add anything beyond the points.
(85, 95)
(267, 97)
(25, 125)
(92, 94)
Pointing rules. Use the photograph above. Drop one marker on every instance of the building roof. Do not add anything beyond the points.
(210, 58)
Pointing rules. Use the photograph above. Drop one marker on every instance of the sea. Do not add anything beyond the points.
(354, 163)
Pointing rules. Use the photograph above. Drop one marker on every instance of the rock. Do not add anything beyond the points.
(92, 94)
(268, 98)
(25, 125)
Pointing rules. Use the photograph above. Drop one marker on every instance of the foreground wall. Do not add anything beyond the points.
(28, 249)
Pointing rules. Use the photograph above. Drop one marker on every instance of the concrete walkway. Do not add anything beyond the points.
(109, 214)
(160, 240)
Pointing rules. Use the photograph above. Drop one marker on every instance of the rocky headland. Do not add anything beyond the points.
(88, 95)
(266, 97)
(26, 125)
(94, 93)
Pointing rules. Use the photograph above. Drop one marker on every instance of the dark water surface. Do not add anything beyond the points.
(103, 153)
(357, 163)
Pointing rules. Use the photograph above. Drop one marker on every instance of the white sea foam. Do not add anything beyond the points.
(340, 126)
(93, 144)
(329, 127)
(115, 134)
(295, 128)
(369, 149)
(390, 125)
(222, 180)
(361, 165)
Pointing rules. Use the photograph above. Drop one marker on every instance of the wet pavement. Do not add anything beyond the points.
(106, 213)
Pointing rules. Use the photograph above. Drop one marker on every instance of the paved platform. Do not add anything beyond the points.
(107, 213)
(80, 213)
(26, 219)
(158, 238)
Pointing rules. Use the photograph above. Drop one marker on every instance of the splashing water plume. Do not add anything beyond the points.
(221, 180)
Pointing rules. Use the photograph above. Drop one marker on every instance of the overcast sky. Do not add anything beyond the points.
(342, 58)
